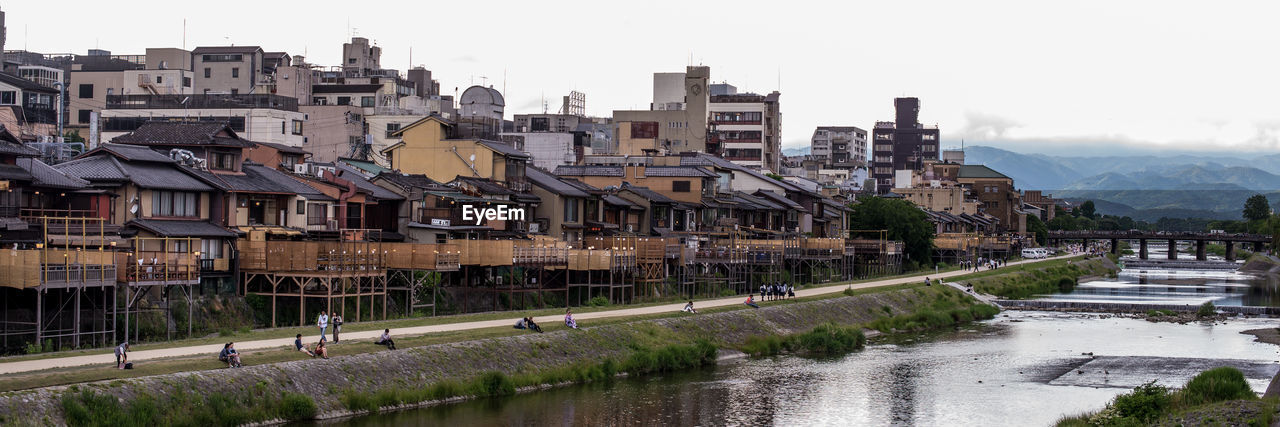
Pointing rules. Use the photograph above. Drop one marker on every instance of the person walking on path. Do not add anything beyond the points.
(336, 319)
(323, 322)
(122, 355)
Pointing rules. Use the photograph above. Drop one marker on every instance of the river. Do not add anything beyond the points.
(1022, 368)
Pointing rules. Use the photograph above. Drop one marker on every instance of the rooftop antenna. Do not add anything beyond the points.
(184, 33)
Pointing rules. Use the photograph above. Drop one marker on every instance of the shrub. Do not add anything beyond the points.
(1215, 385)
(1145, 403)
(598, 301)
(1066, 284)
(766, 345)
(357, 402)
(297, 406)
(494, 384)
(831, 340)
(848, 292)
(1207, 309)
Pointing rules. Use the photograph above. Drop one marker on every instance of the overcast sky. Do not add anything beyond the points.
(1030, 76)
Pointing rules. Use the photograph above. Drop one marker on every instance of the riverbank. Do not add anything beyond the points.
(1028, 281)
(326, 382)
(1218, 396)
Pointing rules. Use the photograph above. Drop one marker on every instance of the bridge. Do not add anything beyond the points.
(1200, 238)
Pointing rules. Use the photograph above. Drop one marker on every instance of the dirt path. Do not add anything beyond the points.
(107, 358)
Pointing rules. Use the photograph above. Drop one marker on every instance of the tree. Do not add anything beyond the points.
(1257, 208)
(1087, 209)
(72, 136)
(775, 176)
(1035, 225)
(902, 219)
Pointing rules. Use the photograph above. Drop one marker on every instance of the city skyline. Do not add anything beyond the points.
(1095, 75)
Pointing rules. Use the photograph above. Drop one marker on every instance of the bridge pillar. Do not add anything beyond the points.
(1200, 254)
(1115, 246)
(1173, 249)
(1231, 251)
(1257, 247)
(1142, 248)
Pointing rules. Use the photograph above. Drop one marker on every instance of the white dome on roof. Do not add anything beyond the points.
(482, 95)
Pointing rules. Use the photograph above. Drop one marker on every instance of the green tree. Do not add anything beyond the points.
(774, 176)
(1257, 208)
(1088, 210)
(1035, 225)
(902, 219)
(72, 136)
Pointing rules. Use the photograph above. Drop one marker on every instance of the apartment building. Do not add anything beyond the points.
(746, 129)
(230, 70)
(256, 117)
(903, 144)
(839, 146)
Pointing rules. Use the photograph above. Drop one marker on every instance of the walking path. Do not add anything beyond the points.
(211, 350)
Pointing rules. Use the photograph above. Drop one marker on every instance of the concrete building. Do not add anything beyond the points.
(228, 69)
(994, 192)
(746, 129)
(680, 108)
(550, 149)
(431, 146)
(359, 57)
(903, 144)
(91, 80)
(333, 132)
(953, 156)
(263, 118)
(27, 109)
(480, 112)
(1046, 203)
(839, 146)
(42, 75)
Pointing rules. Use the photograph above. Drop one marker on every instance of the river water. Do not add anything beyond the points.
(1022, 368)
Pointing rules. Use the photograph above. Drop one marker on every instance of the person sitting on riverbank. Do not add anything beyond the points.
(321, 350)
(751, 303)
(927, 282)
(527, 323)
(229, 355)
(385, 339)
(297, 344)
(122, 355)
(568, 319)
(688, 308)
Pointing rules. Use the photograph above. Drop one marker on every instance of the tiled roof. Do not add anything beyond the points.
(552, 183)
(24, 84)
(779, 199)
(505, 149)
(485, 186)
(588, 170)
(367, 167)
(978, 171)
(14, 172)
(408, 181)
(94, 168)
(144, 174)
(618, 201)
(131, 153)
(282, 148)
(354, 175)
(46, 176)
(180, 228)
(678, 171)
(177, 133)
(645, 192)
(704, 159)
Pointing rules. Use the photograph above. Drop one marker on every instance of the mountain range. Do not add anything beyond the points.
(1145, 187)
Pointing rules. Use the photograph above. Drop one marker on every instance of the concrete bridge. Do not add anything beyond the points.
(1142, 237)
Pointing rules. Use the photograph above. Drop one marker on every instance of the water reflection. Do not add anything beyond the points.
(1025, 369)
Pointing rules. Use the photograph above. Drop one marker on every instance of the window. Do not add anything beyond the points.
(210, 249)
(302, 207)
(319, 100)
(85, 115)
(8, 97)
(86, 91)
(222, 58)
(235, 91)
(315, 214)
(351, 60)
(344, 100)
(570, 210)
(173, 203)
(297, 127)
(235, 72)
(282, 127)
(644, 130)
(186, 82)
(208, 72)
(680, 186)
(367, 101)
(224, 161)
(159, 79)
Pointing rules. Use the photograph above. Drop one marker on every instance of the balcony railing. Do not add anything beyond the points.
(142, 102)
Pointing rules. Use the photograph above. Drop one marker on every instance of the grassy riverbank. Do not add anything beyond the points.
(1218, 396)
(1027, 281)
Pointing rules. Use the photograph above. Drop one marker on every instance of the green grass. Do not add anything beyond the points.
(1028, 281)
(84, 407)
(1150, 403)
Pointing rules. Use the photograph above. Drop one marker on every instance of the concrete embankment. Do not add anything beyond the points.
(327, 380)
(1128, 307)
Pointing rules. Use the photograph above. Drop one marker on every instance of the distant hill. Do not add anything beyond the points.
(1028, 171)
(796, 151)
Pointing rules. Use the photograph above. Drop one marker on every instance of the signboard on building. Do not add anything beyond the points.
(439, 222)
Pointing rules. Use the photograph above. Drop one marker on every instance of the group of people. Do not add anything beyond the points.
(324, 320)
(528, 323)
(776, 291)
(989, 264)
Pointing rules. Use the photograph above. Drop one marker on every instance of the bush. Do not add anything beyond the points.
(767, 345)
(358, 402)
(1207, 309)
(598, 301)
(829, 339)
(848, 292)
(671, 358)
(1066, 284)
(1145, 403)
(297, 406)
(1215, 385)
(493, 384)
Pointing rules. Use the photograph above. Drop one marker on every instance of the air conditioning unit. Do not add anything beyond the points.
(332, 170)
(301, 168)
(333, 224)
